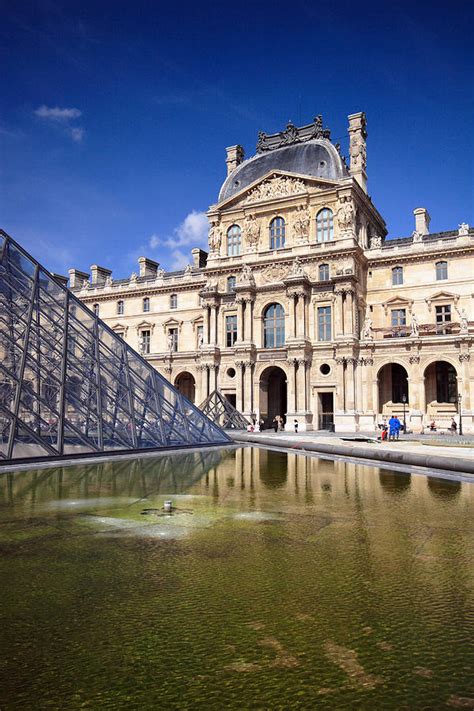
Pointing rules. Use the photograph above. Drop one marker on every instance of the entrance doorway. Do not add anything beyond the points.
(232, 398)
(186, 385)
(273, 394)
(326, 411)
(393, 388)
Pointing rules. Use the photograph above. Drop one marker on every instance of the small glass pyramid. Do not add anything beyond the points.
(70, 385)
(218, 408)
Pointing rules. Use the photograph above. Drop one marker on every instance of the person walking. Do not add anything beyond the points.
(398, 427)
(275, 423)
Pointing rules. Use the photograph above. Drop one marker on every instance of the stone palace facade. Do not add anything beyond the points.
(302, 307)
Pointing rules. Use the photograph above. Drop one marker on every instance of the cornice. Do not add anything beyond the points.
(420, 255)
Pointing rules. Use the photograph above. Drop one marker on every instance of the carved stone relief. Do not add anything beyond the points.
(279, 186)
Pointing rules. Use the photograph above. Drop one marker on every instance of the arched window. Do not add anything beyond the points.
(231, 284)
(234, 240)
(397, 275)
(441, 271)
(274, 326)
(96, 309)
(173, 301)
(324, 225)
(324, 272)
(146, 304)
(120, 307)
(277, 233)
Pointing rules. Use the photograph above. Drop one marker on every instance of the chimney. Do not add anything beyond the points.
(59, 277)
(99, 275)
(358, 148)
(422, 220)
(199, 257)
(148, 267)
(235, 156)
(77, 278)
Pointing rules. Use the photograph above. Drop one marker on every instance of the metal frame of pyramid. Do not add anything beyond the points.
(69, 385)
(218, 409)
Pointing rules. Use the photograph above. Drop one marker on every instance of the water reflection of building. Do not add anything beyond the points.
(301, 307)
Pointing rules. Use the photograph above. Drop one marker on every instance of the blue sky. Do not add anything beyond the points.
(116, 115)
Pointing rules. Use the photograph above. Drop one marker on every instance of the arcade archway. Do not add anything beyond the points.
(273, 394)
(392, 388)
(186, 385)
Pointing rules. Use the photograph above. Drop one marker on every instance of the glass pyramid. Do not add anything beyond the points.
(218, 408)
(70, 385)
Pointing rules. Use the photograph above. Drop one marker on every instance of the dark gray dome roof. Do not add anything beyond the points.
(318, 158)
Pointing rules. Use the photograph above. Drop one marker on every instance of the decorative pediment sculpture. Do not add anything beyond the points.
(301, 224)
(246, 276)
(278, 186)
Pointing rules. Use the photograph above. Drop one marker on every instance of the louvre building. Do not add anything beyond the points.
(302, 306)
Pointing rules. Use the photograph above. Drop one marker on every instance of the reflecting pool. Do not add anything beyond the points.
(280, 581)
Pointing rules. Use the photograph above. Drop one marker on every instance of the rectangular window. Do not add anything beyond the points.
(146, 304)
(398, 322)
(441, 271)
(173, 339)
(120, 308)
(145, 342)
(443, 317)
(324, 323)
(230, 330)
(397, 275)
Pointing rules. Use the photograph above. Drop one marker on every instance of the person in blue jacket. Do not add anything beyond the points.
(393, 428)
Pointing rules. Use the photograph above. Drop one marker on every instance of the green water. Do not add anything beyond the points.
(281, 582)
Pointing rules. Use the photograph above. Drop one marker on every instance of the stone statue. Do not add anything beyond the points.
(247, 276)
(85, 284)
(463, 230)
(188, 270)
(417, 237)
(296, 268)
(376, 242)
(252, 232)
(109, 281)
(463, 321)
(170, 342)
(367, 332)
(346, 216)
(160, 273)
(215, 237)
(301, 225)
(133, 277)
(415, 329)
(200, 339)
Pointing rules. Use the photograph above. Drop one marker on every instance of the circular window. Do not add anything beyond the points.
(325, 368)
(231, 373)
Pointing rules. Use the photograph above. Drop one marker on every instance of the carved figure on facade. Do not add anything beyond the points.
(273, 273)
(301, 224)
(463, 321)
(278, 186)
(292, 134)
(160, 273)
(358, 152)
(246, 276)
(346, 215)
(415, 327)
(200, 340)
(297, 268)
(289, 135)
(133, 277)
(85, 284)
(215, 237)
(188, 270)
(417, 237)
(463, 230)
(367, 329)
(252, 232)
(109, 281)
(376, 242)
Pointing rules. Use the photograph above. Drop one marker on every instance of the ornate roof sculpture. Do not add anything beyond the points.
(218, 408)
(292, 134)
(69, 384)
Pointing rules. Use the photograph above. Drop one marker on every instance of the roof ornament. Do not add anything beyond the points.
(292, 134)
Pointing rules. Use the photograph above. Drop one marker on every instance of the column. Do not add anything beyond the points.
(238, 389)
(292, 399)
(340, 395)
(338, 315)
(349, 312)
(206, 330)
(240, 319)
(292, 319)
(350, 383)
(300, 315)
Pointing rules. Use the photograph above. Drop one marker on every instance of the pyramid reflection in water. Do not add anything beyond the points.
(70, 385)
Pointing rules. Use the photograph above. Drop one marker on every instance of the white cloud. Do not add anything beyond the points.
(154, 241)
(57, 114)
(180, 260)
(77, 134)
(194, 228)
